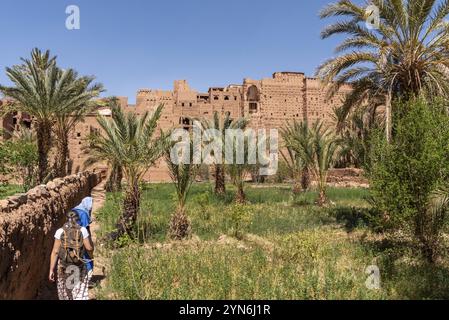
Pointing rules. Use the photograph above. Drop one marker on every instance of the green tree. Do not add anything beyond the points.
(22, 157)
(404, 56)
(182, 172)
(240, 169)
(355, 132)
(99, 150)
(130, 142)
(297, 134)
(406, 174)
(80, 93)
(34, 93)
(3, 156)
(318, 147)
(43, 90)
(324, 150)
(221, 124)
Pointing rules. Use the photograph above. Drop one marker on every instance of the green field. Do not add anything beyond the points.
(288, 249)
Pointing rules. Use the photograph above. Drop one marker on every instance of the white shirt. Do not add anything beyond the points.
(59, 233)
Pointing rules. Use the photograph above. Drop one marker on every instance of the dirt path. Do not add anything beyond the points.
(99, 196)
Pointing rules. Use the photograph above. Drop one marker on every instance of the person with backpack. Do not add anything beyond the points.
(68, 259)
(84, 211)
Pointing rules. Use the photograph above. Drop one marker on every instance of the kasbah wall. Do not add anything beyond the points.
(269, 103)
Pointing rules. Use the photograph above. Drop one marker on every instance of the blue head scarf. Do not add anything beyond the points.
(84, 210)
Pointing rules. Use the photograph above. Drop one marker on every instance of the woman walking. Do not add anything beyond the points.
(72, 250)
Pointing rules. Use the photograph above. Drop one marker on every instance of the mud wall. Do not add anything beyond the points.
(27, 226)
(347, 178)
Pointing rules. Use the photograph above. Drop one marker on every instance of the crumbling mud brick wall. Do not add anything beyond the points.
(27, 226)
(347, 178)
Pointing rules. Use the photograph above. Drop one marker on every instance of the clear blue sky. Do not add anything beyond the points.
(136, 44)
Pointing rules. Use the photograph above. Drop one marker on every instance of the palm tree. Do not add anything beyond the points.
(129, 142)
(114, 183)
(222, 124)
(298, 138)
(239, 171)
(295, 159)
(79, 91)
(324, 149)
(317, 146)
(354, 132)
(43, 91)
(35, 93)
(99, 150)
(182, 174)
(405, 56)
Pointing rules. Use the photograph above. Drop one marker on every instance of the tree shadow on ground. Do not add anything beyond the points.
(96, 281)
(352, 218)
(405, 273)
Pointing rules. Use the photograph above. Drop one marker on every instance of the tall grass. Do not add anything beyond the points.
(301, 266)
(292, 250)
(273, 210)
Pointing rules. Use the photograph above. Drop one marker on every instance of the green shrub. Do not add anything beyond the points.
(18, 158)
(239, 220)
(203, 200)
(404, 173)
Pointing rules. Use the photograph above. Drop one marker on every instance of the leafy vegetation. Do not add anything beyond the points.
(406, 174)
(282, 251)
(19, 158)
(52, 96)
(404, 56)
(219, 126)
(182, 172)
(262, 242)
(296, 139)
(314, 150)
(129, 142)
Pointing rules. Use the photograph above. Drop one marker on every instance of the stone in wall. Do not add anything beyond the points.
(27, 226)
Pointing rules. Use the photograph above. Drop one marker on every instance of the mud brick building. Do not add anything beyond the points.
(269, 103)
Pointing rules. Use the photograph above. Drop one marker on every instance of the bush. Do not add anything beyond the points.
(240, 218)
(405, 173)
(18, 159)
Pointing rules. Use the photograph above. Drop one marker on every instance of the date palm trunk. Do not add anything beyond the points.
(180, 227)
(388, 118)
(428, 241)
(297, 188)
(114, 183)
(305, 179)
(220, 183)
(118, 178)
(322, 198)
(43, 133)
(131, 207)
(62, 155)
